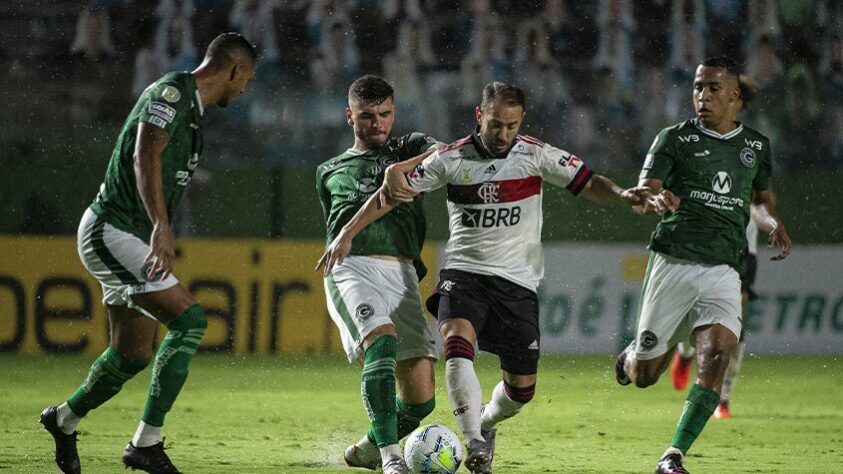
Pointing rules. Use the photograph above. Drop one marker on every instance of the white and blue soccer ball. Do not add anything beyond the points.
(433, 449)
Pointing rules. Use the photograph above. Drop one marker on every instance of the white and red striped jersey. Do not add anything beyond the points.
(495, 204)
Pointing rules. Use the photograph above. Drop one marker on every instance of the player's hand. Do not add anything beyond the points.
(335, 253)
(662, 203)
(396, 187)
(779, 238)
(637, 196)
(159, 262)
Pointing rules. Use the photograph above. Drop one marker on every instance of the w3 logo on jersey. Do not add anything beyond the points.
(491, 217)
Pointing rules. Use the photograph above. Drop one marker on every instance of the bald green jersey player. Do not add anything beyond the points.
(373, 296)
(124, 241)
(715, 166)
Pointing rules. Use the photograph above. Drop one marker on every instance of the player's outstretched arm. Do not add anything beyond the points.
(395, 185)
(603, 190)
(765, 213)
(375, 208)
(658, 201)
(150, 143)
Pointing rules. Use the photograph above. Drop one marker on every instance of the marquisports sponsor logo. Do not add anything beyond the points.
(718, 202)
(721, 184)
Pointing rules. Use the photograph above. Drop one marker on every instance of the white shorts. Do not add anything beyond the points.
(115, 258)
(364, 293)
(679, 296)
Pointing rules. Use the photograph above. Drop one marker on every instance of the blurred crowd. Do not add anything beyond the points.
(601, 77)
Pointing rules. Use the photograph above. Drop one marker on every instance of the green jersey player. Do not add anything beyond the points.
(124, 241)
(715, 166)
(373, 296)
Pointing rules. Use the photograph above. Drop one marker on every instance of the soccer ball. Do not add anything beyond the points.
(433, 449)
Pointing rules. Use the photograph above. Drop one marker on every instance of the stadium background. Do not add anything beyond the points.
(602, 77)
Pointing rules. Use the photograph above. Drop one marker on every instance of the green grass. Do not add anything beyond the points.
(295, 415)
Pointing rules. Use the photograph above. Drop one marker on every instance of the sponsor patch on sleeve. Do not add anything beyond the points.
(648, 162)
(162, 110)
(157, 121)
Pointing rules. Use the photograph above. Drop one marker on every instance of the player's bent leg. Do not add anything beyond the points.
(680, 368)
(461, 383)
(128, 354)
(186, 324)
(714, 344)
(644, 373)
(416, 389)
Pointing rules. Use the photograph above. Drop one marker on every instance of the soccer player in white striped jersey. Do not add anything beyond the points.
(486, 295)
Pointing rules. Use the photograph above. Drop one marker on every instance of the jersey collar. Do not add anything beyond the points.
(722, 136)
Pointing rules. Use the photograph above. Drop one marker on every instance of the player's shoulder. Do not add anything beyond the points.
(456, 145)
(679, 129)
(173, 86)
(682, 132)
(332, 163)
(530, 141)
(414, 138)
(753, 134)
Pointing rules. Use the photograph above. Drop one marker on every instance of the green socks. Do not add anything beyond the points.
(107, 375)
(699, 406)
(378, 389)
(185, 332)
(409, 417)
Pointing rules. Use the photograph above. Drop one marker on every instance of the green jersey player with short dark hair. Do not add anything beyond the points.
(716, 167)
(373, 296)
(124, 241)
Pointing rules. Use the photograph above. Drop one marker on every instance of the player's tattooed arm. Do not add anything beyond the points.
(376, 207)
(764, 211)
(150, 143)
(659, 200)
(395, 184)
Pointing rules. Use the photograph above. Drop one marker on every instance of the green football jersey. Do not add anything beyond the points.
(172, 103)
(714, 176)
(345, 182)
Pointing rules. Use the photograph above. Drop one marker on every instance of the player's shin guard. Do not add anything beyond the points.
(699, 405)
(378, 389)
(731, 376)
(185, 332)
(507, 401)
(463, 387)
(105, 379)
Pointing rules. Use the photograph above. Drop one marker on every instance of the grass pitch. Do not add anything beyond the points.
(296, 415)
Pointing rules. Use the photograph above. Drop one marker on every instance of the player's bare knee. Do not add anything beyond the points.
(714, 360)
(374, 334)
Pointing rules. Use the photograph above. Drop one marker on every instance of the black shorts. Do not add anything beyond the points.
(749, 276)
(505, 315)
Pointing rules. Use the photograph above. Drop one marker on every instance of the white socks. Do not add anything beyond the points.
(390, 452)
(499, 408)
(465, 395)
(147, 435)
(66, 419)
(685, 350)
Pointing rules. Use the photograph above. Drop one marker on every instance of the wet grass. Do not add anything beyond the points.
(296, 414)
